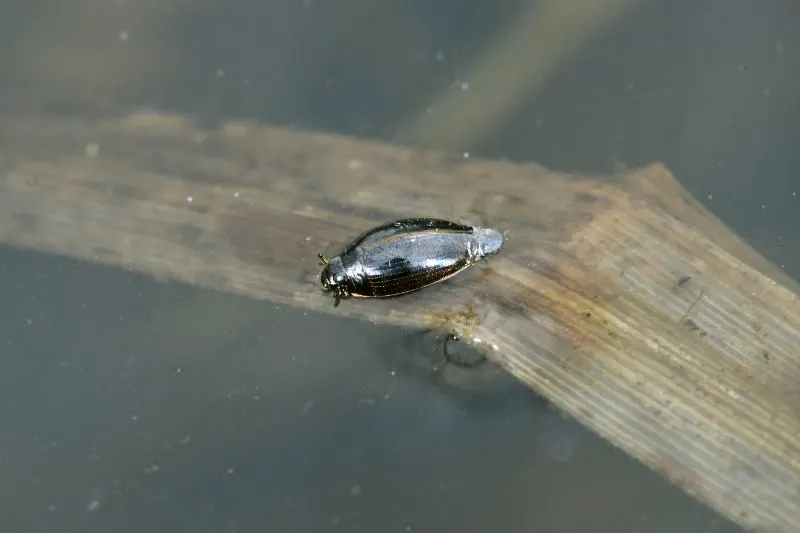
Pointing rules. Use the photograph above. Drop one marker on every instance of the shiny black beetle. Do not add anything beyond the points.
(405, 256)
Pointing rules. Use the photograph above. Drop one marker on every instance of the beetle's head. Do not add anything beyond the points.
(334, 278)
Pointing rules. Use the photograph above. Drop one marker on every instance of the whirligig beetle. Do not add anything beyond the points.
(405, 256)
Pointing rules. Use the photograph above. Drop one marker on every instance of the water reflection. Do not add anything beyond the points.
(268, 426)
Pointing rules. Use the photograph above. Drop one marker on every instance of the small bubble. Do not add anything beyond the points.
(763, 206)
(710, 196)
(236, 194)
(466, 155)
(440, 56)
(189, 199)
(464, 85)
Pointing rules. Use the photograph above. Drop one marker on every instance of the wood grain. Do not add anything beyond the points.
(621, 299)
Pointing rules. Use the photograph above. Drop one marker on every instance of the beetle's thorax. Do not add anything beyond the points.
(343, 273)
(353, 265)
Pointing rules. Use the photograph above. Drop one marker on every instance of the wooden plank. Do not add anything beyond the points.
(620, 299)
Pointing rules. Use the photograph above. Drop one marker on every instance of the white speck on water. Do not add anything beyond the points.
(393, 373)
(308, 238)
(466, 155)
(794, 193)
(236, 194)
(189, 199)
(429, 111)
(229, 472)
(95, 497)
(220, 73)
(778, 48)
(763, 206)
(355, 490)
(710, 196)
(92, 150)
(135, 418)
(464, 85)
(440, 56)
(123, 36)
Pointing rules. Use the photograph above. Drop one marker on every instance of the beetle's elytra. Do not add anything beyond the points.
(405, 256)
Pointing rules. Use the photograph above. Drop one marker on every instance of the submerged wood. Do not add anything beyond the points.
(620, 299)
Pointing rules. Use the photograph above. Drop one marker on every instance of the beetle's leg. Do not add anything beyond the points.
(338, 298)
(323, 259)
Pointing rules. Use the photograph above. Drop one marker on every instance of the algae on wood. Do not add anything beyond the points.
(622, 300)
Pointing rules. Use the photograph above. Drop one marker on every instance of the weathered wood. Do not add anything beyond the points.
(623, 301)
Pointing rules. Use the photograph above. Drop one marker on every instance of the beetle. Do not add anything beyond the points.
(404, 256)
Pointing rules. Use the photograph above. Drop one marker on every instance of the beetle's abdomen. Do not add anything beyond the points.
(400, 276)
(408, 263)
